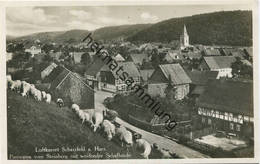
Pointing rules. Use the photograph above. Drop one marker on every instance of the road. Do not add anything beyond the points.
(181, 150)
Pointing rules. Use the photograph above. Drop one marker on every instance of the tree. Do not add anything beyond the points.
(47, 58)
(86, 58)
(240, 69)
(47, 48)
(19, 59)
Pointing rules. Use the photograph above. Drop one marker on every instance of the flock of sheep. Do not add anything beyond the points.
(103, 120)
(27, 89)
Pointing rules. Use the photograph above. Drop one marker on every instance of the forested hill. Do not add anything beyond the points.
(116, 32)
(220, 28)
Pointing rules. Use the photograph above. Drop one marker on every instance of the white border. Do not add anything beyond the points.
(3, 120)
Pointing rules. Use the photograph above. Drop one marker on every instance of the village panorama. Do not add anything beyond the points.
(64, 101)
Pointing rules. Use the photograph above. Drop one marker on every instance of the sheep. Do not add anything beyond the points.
(43, 94)
(16, 86)
(60, 102)
(85, 117)
(38, 95)
(158, 153)
(90, 112)
(124, 136)
(75, 108)
(9, 78)
(25, 88)
(110, 114)
(143, 146)
(48, 98)
(33, 91)
(109, 129)
(97, 120)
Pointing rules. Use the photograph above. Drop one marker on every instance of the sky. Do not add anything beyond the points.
(26, 20)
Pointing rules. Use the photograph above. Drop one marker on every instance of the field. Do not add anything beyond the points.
(34, 125)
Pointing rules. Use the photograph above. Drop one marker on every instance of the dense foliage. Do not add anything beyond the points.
(221, 28)
(239, 69)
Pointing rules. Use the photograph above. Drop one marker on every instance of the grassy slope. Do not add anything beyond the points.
(37, 124)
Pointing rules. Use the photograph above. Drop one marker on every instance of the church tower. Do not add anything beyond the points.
(184, 38)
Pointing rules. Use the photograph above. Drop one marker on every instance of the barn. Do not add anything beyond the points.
(167, 74)
(72, 89)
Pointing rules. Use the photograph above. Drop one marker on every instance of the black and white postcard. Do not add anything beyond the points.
(88, 81)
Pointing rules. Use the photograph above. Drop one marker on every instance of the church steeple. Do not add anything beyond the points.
(184, 38)
(185, 30)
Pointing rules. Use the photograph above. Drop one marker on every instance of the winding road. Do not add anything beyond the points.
(181, 150)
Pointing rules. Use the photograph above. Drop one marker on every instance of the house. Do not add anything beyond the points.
(146, 74)
(233, 52)
(193, 55)
(9, 56)
(72, 89)
(48, 70)
(139, 58)
(172, 56)
(119, 58)
(238, 53)
(110, 81)
(55, 55)
(146, 47)
(222, 64)
(92, 73)
(34, 49)
(227, 105)
(211, 52)
(199, 80)
(77, 56)
(167, 74)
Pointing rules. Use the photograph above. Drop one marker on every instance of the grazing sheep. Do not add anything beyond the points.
(97, 120)
(124, 136)
(60, 102)
(48, 98)
(43, 94)
(75, 108)
(109, 129)
(16, 86)
(90, 112)
(110, 114)
(25, 88)
(38, 95)
(143, 146)
(86, 118)
(33, 91)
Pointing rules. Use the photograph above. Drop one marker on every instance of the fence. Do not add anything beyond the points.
(202, 146)
(215, 152)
